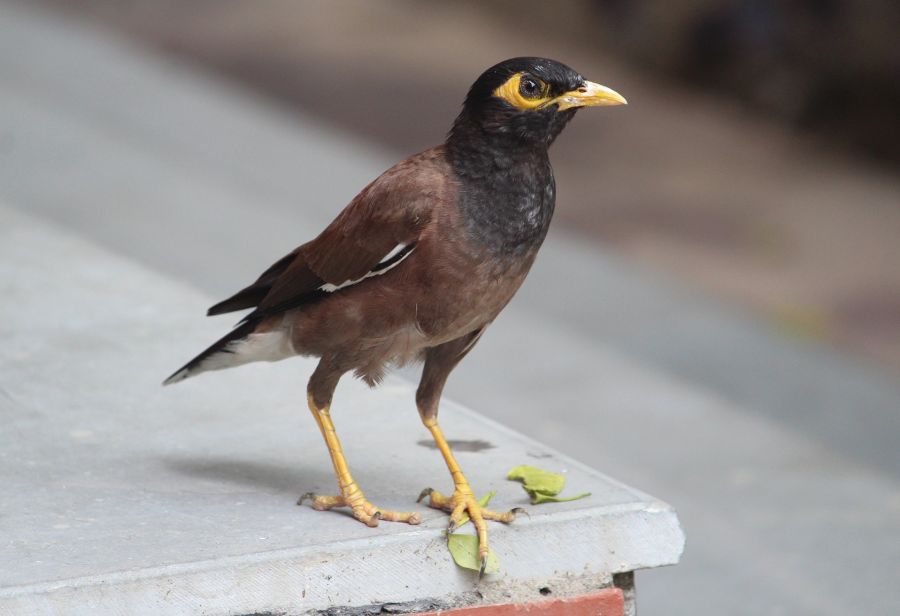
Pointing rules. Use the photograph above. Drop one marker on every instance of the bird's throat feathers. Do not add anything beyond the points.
(506, 195)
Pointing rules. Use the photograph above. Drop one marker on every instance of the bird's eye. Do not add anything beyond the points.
(529, 88)
(524, 92)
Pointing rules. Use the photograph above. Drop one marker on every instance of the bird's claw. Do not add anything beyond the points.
(369, 520)
(363, 510)
(463, 506)
(424, 493)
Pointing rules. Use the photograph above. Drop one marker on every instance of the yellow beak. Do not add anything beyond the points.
(589, 95)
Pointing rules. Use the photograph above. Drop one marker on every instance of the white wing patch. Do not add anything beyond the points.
(393, 253)
(391, 260)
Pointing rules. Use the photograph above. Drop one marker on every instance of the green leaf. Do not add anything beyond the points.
(464, 550)
(537, 498)
(537, 480)
(542, 486)
(483, 501)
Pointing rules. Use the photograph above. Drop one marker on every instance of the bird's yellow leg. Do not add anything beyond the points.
(463, 499)
(351, 495)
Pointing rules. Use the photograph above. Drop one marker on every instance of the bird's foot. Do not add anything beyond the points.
(463, 503)
(363, 510)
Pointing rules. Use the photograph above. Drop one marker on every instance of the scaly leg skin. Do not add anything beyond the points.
(463, 499)
(351, 496)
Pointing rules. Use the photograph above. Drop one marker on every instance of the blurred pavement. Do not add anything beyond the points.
(780, 456)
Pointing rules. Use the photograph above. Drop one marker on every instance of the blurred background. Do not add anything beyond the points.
(738, 225)
(751, 165)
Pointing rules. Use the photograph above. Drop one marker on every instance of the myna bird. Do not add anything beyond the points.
(417, 266)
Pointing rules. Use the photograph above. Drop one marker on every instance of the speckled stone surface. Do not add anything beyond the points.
(119, 494)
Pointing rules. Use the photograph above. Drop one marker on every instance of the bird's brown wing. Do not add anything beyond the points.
(390, 212)
(252, 295)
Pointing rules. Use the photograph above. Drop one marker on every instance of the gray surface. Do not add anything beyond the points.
(117, 494)
(781, 457)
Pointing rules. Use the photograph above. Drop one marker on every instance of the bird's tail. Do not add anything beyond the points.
(241, 345)
(207, 359)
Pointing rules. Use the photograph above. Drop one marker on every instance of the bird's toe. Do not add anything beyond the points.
(362, 510)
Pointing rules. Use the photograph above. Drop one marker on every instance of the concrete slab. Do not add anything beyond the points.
(117, 495)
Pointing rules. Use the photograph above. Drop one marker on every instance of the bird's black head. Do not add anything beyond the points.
(526, 102)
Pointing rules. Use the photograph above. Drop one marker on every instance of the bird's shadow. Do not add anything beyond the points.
(260, 475)
(291, 481)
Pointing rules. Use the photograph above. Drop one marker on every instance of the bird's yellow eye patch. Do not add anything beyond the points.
(524, 92)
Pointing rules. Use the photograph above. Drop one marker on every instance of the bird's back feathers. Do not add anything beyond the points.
(374, 234)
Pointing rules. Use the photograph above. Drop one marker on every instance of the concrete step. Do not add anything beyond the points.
(119, 496)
